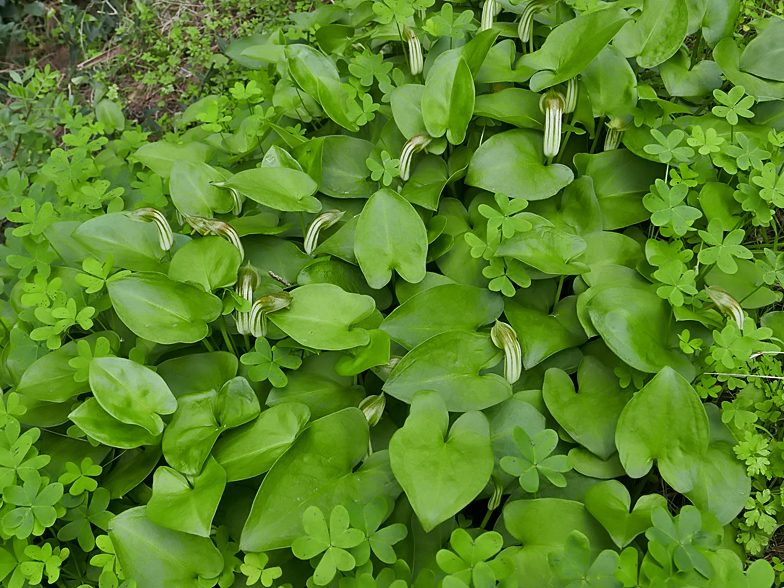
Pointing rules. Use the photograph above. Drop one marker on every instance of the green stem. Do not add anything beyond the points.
(558, 291)
(565, 141)
(226, 337)
(597, 133)
(208, 345)
(696, 50)
(486, 519)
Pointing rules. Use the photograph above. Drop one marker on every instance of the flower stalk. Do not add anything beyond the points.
(504, 337)
(153, 215)
(322, 221)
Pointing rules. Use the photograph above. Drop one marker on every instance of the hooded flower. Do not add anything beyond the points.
(213, 226)
(572, 90)
(373, 408)
(526, 24)
(414, 145)
(504, 337)
(153, 215)
(552, 105)
(247, 281)
(262, 307)
(615, 129)
(415, 59)
(489, 11)
(322, 221)
(726, 304)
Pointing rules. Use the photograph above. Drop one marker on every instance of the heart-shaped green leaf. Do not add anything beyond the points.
(390, 235)
(187, 504)
(318, 470)
(277, 187)
(609, 503)
(591, 415)
(665, 422)
(321, 315)
(161, 310)
(450, 363)
(131, 393)
(440, 473)
(211, 262)
(450, 307)
(529, 178)
(448, 100)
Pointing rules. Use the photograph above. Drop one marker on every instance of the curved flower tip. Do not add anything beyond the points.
(572, 91)
(489, 11)
(153, 215)
(726, 304)
(416, 61)
(552, 105)
(415, 144)
(264, 306)
(504, 337)
(248, 280)
(322, 221)
(213, 226)
(373, 408)
(615, 129)
(526, 25)
(498, 493)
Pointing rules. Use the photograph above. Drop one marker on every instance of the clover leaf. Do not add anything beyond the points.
(668, 147)
(266, 362)
(257, 572)
(665, 204)
(81, 476)
(536, 460)
(733, 104)
(380, 541)
(35, 510)
(333, 542)
(723, 250)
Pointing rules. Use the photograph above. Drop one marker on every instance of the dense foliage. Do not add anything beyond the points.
(435, 295)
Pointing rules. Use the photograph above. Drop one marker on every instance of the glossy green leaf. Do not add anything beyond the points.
(529, 178)
(449, 307)
(440, 472)
(406, 102)
(134, 245)
(180, 559)
(161, 156)
(279, 188)
(186, 504)
(322, 315)
(547, 248)
(103, 427)
(609, 502)
(716, 18)
(318, 470)
(450, 364)
(727, 56)
(657, 34)
(193, 189)
(344, 173)
(201, 417)
(51, 377)
(763, 55)
(611, 82)
(322, 394)
(250, 450)
(591, 415)
(572, 45)
(211, 262)
(131, 393)
(664, 422)
(448, 100)
(390, 235)
(516, 106)
(638, 326)
(198, 372)
(161, 310)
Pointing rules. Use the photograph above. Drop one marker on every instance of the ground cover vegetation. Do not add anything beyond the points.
(416, 293)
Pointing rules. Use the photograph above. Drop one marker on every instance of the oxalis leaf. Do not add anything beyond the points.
(440, 473)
